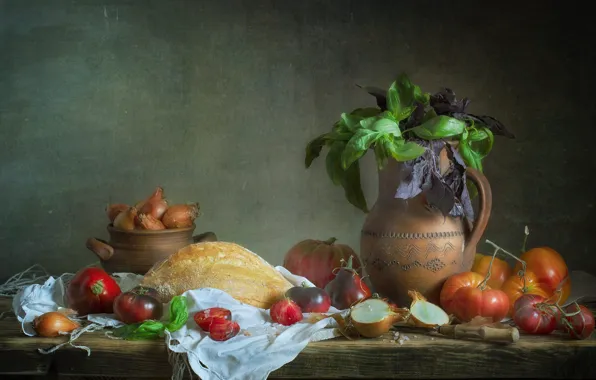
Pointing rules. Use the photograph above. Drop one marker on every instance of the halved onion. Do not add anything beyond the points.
(424, 313)
(374, 317)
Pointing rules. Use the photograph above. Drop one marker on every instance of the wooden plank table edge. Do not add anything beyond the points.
(421, 357)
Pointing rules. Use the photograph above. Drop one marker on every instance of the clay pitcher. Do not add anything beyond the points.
(407, 246)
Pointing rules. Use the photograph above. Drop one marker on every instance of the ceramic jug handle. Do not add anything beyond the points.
(205, 236)
(102, 249)
(485, 206)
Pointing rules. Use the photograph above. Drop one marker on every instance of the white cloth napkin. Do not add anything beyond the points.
(260, 348)
(35, 300)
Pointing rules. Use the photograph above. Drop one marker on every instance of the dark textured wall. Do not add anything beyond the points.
(215, 100)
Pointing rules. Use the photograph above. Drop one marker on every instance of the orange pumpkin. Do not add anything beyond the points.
(317, 260)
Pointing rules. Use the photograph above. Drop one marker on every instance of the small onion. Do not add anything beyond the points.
(424, 313)
(181, 215)
(54, 323)
(374, 317)
(155, 205)
(112, 210)
(149, 222)
(126, 219)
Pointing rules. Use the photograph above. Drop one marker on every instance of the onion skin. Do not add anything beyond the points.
(181, 215)
(126, 219)
(155, 205)
(51, 324)
(376, 329)
(148, 222)
(112, 210)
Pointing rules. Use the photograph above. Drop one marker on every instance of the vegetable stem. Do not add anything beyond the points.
(526, 233)
(521, 273)
(330, 241)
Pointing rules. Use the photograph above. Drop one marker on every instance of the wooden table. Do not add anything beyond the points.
(554, 356)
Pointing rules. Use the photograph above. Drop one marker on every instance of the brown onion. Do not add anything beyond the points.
(149, 222)
(374, 317)
(112, 210)
(155, 205)
(180, 216)
(54, 323)
(126, 219)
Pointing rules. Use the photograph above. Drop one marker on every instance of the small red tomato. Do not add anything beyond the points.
(581, 325)
(204, 318)
(221, 329)
(91, 291)
(285, 312)
(533, 316)
(138, 305)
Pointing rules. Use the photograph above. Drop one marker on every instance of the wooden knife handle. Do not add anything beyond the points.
(510, 334)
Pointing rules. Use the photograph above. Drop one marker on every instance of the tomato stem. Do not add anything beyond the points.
(330, 241)
(526, 233)
(482, 285)
(521, 273)
(97, 288)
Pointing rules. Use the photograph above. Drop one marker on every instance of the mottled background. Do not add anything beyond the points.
(215, 100)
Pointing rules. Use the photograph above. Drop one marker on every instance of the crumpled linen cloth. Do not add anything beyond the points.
(260, 348)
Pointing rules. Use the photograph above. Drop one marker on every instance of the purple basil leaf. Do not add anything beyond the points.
(378, 93)
(440, 195)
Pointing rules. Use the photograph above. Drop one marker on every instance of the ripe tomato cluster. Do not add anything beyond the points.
(92, 291)
(530, 293)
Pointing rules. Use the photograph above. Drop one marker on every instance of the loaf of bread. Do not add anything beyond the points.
(220, 265)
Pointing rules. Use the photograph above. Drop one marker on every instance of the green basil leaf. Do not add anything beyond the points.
(439, 127)
(405, 113)
(178, 314)
(333, 162)
(386, 126)
(409, 93)
(381, 154)
(430, 114)
(470, 157)
(477, 135)
(353, 188)
(358, 145)
(368, 122)
(393, 101)
(404, 151)
(313, 149)
(366, 112)
(350, 121)
(421, 97)
(484, 146)
(337, 136)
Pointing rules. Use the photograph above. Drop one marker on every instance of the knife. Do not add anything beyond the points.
(486, 333)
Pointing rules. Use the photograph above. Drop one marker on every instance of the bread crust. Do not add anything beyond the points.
(221, 265)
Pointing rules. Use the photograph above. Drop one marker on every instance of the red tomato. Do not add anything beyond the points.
(138, 305)
(92, 291)
(580, 325)
(499, 271)
(550, 269)
(514, 288)
(222, 329)
(532, 315)
(469, 302)
(453, 284)
(205, 318)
